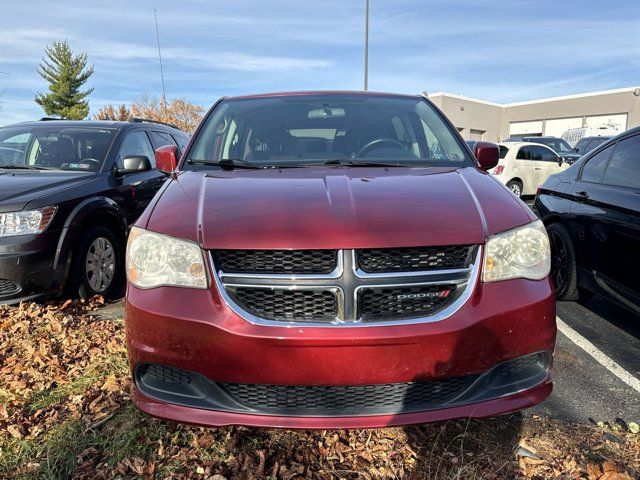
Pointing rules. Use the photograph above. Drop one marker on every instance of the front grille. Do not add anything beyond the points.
(8, 287)
(276, 261)
(355, 286)
(192, 389)
(404, 302)
(168, 374)
(382, 260)
(333, 399)
(288, 305)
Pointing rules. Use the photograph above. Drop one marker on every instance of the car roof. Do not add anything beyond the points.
(322, 93)
(521, 144)
(94, 124)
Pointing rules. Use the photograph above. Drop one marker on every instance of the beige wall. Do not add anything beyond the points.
(467, 113)
(584, 106)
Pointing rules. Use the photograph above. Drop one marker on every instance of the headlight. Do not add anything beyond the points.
(154, 260)
(519, 253)
(26, 222)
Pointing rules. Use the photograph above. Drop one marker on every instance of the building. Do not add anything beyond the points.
(482, 120)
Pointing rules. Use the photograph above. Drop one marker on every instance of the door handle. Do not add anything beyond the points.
(582, 196)
(537, 168)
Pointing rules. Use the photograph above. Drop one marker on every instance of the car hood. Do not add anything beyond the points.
(18, 187)
(335, 208)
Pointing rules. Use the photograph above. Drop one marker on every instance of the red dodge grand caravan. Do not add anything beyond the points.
(336, 259)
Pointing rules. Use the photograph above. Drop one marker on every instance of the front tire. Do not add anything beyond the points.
(97, 264)
(564, 272)
(516, 187)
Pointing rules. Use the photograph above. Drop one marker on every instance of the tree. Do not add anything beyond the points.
(110, 112)
(66, 74)
(179, 112)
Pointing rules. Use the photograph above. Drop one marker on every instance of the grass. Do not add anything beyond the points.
(97, 372)
(127, 434)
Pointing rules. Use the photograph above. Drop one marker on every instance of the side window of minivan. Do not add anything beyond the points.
(136, 143)
(523, 154)
(623, 169)
(594, 167)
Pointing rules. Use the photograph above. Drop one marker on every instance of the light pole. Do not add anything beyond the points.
(366, 46)
(164, 93)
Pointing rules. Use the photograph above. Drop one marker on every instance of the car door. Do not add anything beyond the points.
(607, 209)
(138, 188)
(541, 161)
(523, 168)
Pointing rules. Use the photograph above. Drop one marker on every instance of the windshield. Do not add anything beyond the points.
(557, 144)
(51, 147)
(335, 128)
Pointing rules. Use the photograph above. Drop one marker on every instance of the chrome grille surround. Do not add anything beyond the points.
(347, 281)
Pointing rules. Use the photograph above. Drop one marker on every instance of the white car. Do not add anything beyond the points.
(523, 166)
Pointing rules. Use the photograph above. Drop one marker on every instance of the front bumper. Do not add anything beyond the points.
(195, 330)
(27, 267)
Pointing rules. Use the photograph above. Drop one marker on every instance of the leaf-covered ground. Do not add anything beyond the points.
(65, 413)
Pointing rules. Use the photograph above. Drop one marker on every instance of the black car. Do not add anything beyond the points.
(592, 214)
(586, 144)
(69, 190)
(558, 145)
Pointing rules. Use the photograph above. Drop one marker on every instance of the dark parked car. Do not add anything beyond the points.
(336, 260)
(471, 144)
(592, 214)
(558, 145)
(586, 144)
(69, 191)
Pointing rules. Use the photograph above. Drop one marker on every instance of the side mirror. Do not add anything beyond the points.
(560, 161)
(576, 149)
(167, 158)
(135, 163)
(487, 154)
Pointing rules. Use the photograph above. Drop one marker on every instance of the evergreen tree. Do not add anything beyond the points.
(66, 74)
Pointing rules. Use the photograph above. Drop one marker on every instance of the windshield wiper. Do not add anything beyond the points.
(227, 163)
(24, 167)
(232, 163)
(347, 162)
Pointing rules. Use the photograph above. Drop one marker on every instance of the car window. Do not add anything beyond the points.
(161, 139)
(182, 141)
(311, 129)
(541, 154)
(587, 146)
(582, 145)
(55, 146)
(503, 151)
(594, 168)
(136, 143)
(524, 154)
(13, 148)
(549, 156)
(623, 169)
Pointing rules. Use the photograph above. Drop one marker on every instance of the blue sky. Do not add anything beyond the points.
(502, 51)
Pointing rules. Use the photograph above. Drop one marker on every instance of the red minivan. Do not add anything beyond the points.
(336, 259)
